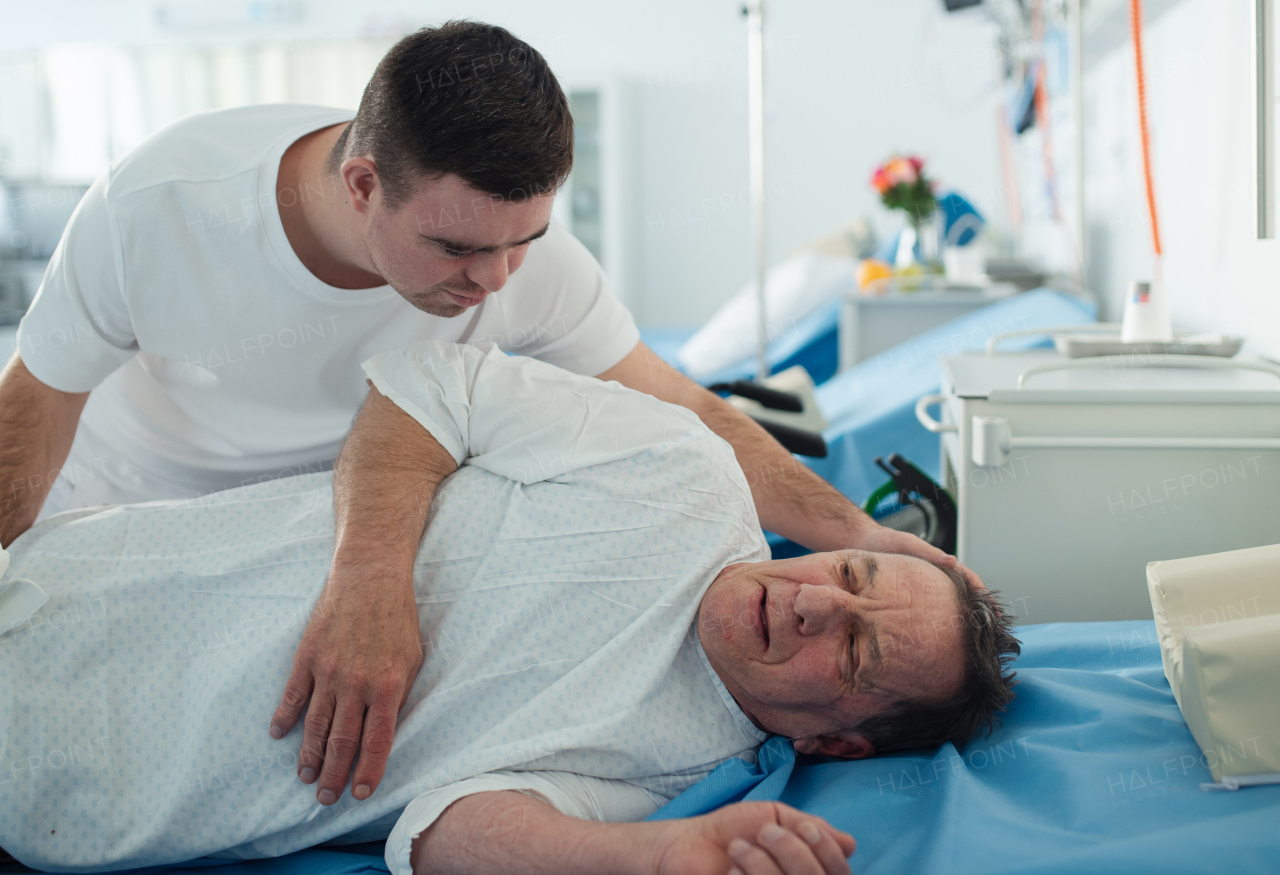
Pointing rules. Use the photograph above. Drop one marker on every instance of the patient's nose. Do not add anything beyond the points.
(819, 608)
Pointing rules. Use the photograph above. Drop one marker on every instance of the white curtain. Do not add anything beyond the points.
(67, 112)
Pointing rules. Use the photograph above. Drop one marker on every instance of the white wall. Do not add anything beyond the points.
(850, 81)
(1199, 103)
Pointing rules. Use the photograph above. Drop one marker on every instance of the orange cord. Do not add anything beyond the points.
(1135, 22)
(1041, 98)
(1040, 101)
(1008, 172)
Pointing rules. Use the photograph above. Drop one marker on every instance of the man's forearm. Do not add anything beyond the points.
(500, 832)
(37, 426)
(383, 485)
(790, 499)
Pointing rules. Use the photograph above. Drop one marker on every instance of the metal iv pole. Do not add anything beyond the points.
(754, 10)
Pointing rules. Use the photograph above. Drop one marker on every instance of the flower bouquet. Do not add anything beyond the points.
(902, 185)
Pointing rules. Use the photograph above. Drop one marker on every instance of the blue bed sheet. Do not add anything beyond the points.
(1093, 770)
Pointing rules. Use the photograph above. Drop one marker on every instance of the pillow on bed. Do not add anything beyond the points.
(1218, 620)
(793, 290)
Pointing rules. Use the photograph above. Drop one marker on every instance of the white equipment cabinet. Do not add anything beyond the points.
(1071, 474)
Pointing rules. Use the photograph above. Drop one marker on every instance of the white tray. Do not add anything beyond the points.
(1083, 345)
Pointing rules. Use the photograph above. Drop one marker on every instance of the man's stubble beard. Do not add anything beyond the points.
(432, 301)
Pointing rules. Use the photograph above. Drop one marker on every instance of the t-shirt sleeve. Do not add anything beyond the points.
(566, 312)
(520, 418)
(580, 796)
(78, 329)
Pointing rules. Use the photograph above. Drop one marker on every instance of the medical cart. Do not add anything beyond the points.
(1071, 474)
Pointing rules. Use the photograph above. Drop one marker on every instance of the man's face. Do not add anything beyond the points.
(450, 245)
(813, 645)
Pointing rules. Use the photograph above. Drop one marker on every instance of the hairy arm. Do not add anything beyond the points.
(360, 654)
(504, 831)
(790, 499)
(37, 426)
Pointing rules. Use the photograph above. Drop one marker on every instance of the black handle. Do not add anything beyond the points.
(796, 440)
(763, 395)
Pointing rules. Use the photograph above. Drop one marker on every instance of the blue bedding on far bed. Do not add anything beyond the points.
(1093, 770)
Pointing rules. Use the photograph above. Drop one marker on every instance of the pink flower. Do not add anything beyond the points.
(900, 171)
(880, 181)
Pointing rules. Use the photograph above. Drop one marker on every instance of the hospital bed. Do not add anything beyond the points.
(1093, 770)
(813, 341)
(870, 407)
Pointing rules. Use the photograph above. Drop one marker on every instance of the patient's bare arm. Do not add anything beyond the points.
(37, 426)
(362, 648)
(505, 831)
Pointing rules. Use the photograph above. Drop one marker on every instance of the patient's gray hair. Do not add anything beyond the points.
(989, 647)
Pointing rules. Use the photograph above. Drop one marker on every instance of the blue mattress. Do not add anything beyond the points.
(1094, 770)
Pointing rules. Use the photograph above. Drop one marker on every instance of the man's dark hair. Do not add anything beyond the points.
(463, 98)
(987, 689)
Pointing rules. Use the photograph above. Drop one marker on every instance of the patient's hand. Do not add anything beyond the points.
(356, 663)
(758, 838)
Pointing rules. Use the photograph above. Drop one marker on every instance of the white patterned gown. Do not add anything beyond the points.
(143, 648)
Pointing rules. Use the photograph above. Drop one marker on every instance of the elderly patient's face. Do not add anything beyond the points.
(811, 646)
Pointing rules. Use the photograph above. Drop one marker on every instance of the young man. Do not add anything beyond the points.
(202, 323)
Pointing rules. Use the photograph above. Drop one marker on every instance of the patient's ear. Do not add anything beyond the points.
(856, 747)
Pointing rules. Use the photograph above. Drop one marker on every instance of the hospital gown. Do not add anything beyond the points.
(557, 588)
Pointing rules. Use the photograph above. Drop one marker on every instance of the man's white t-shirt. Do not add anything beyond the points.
(215, 357)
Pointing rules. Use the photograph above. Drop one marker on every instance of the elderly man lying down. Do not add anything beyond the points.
(601, 627)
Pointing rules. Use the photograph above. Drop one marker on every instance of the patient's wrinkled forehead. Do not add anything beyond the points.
(918, 625)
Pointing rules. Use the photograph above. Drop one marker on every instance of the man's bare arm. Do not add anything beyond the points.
(37, 426)
(499, 832)
(790, 499)
(362, 648)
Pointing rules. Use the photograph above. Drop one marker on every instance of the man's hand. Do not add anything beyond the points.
(362, 648)
(756, 838)
(878, 539)
(357, 661)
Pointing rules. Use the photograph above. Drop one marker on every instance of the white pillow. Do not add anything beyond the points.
(793, 290)
(1218, 620)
